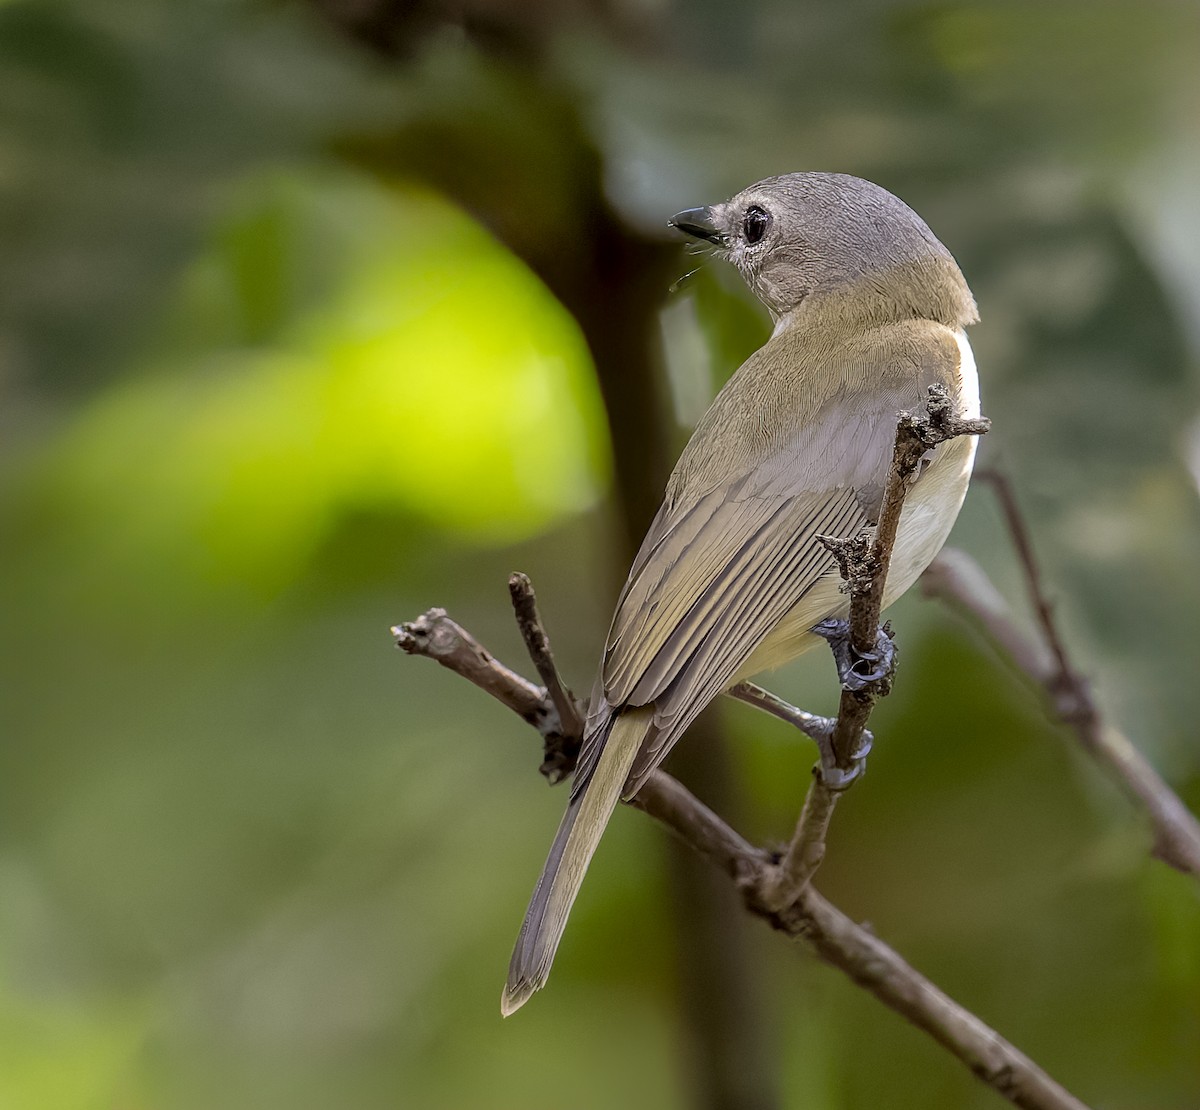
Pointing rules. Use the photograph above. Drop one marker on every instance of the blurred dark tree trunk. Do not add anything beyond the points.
(523, 164)
(731, 1045)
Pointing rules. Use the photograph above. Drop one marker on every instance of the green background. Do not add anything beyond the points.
(301, 310)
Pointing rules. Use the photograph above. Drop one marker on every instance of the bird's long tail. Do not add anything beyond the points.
(574, 844)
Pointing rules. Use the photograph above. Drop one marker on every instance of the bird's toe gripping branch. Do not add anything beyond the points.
(866, 673)
(831, 773)
(858, 670)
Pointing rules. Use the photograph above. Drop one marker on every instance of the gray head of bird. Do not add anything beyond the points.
(816, 241)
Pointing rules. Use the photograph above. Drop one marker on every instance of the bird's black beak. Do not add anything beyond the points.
(698, 223)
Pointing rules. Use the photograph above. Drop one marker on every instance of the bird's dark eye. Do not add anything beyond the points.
(755, 224)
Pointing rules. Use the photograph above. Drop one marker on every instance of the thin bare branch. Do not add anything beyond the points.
(434, 635)
(437, 637)
(868, 961)
(959, 581)
(864, 566)
(1023, 542)
(879, 969)
(806, 852)
(837, 939)
(537, 643)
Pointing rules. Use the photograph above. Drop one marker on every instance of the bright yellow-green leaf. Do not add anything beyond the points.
(403, 362)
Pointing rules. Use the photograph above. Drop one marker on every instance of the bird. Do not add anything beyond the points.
(869, 310)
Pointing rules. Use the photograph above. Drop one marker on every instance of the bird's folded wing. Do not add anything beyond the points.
(718, 571)
(690, 623)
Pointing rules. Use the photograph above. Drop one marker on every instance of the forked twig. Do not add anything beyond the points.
(836, 939)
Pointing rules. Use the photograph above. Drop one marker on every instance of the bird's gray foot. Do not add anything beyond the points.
(858, 670)
(833, 776)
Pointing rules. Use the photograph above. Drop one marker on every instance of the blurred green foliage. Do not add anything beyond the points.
(407, 363)
(262, 398)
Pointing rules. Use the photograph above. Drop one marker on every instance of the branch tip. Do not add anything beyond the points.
(537, 643)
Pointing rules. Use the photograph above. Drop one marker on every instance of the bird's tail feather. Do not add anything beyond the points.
(574, 844)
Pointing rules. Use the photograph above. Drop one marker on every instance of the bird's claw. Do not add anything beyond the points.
(858, 670)
(833, 776)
